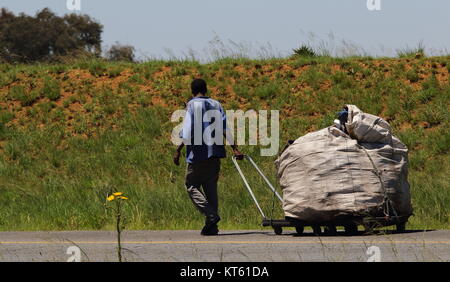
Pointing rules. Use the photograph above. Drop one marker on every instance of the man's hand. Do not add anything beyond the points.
(239, 156)
(176, 158)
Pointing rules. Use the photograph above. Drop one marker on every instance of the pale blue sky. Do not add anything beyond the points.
(154, 25)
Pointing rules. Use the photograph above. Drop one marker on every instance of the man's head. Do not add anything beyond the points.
(198, 86)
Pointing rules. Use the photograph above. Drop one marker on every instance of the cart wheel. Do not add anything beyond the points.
(278, 230)
(330, 230)
(369, 228)
(299, 229)
(317, 230)
(351, 229)
(401, 227)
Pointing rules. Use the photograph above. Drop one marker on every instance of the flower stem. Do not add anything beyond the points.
(118, 218)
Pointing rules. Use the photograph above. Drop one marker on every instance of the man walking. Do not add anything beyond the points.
(204, 149)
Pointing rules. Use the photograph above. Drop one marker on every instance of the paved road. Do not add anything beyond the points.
(230, 246)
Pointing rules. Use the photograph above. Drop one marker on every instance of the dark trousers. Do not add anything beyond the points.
(201, 185)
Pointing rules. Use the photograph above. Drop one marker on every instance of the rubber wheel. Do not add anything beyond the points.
(317, 230)
(330, 230)
(401, 227)
(278, 230)
(351, 229)
(299, 229)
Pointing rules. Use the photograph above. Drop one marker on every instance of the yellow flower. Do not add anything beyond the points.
(116, 195)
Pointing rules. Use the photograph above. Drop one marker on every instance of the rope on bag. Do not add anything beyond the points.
(387, 202)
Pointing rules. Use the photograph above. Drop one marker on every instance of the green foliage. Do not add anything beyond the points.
(119, 52)
(242, 90)
(268, 91)
(115, 71)
(305, 51)
(26, 98)
(303, 61)
(412, 52)
(46, 107)
(411, 137)
(342, 79)
(51, 89)
(6, 116)
(438, 141)
(137, 79)
(59, 159)
(427, 95)
(179, 71)
(313, 77)
(435, 114)
(96, 68)
(431, 83)
(46, 36)
(7, 78)
(412, 76)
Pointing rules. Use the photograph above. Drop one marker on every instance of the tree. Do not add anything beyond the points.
(25, 39)
(119, 52)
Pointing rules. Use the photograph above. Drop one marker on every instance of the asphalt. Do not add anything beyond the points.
(229, 246)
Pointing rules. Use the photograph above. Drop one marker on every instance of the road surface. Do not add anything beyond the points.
(229, 246)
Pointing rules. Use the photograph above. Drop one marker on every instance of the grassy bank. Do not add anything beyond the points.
(69, 134)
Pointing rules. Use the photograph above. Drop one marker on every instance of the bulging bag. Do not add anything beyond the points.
(328, 174)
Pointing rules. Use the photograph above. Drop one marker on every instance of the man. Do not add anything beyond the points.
(203, 156)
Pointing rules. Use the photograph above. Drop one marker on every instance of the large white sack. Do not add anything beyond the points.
(327, 174)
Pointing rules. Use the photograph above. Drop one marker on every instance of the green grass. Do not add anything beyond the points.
(51, 89)
(26, 98)
(411, 52)
(60, 155)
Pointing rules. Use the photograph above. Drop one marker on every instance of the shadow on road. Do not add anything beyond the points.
(311, 234)
(360, 233)
(262, 232)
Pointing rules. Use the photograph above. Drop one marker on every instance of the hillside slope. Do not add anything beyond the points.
(69, 134)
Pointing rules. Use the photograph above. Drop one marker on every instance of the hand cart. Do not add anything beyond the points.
(350, 223)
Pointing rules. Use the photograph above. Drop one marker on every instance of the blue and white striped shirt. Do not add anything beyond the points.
(203, 127)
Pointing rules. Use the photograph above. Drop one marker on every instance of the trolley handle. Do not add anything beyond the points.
(248, 186)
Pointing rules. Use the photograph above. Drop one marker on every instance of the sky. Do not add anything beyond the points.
(165, 28)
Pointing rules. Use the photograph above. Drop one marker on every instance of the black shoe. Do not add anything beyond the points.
(210, 227)
(212, 220)
(210, 230)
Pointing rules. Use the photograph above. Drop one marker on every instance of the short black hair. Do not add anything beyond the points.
(199, 86)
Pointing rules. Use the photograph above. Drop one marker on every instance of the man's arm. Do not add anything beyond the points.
(229, 137)
(176, 156)
(184, 133)
(236, 152)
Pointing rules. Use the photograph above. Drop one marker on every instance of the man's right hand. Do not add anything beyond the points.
(176, 158)
(239, 156)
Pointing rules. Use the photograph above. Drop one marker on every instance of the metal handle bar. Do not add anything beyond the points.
(248, 186)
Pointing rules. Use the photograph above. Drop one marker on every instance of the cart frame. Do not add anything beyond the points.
(350, 223)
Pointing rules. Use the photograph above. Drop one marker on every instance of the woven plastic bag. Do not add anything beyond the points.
(328, 174)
